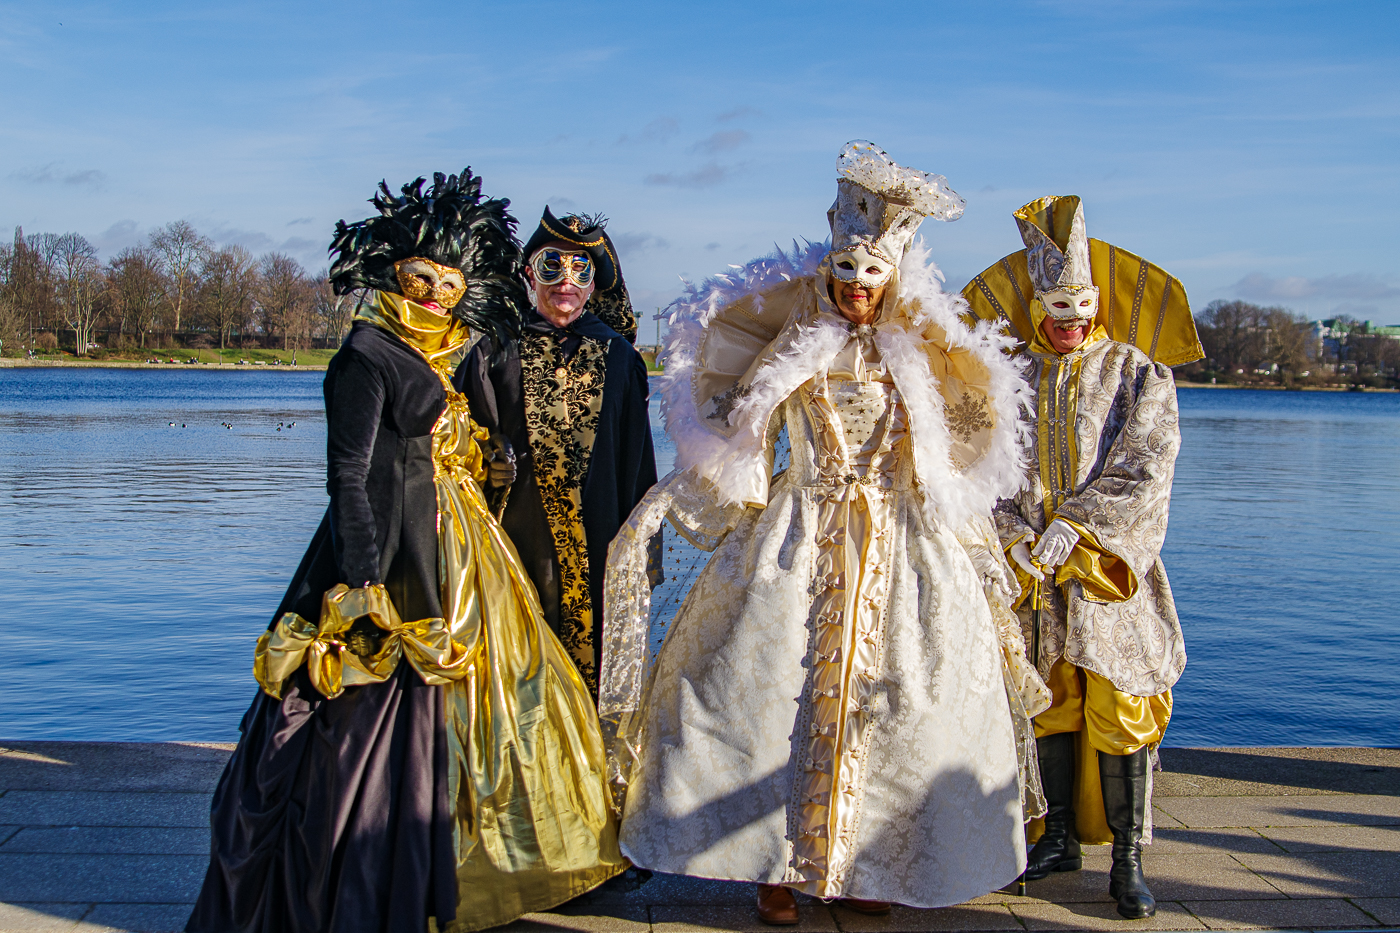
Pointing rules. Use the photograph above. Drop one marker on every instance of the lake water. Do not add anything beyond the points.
(139, 560)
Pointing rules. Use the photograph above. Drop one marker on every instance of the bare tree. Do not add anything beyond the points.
(1232, 334)
(1286, 339)
(11, 323)
(228, 281)
(284, 296)
(182, 251)
(78, 276)
(136, 287)
(332, 312)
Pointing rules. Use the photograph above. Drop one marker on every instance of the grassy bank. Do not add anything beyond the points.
(316, 359)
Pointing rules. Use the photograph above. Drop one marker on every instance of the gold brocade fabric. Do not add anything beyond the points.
(1139, 302)
(563, 401)
(1104, 720)
(527, 768)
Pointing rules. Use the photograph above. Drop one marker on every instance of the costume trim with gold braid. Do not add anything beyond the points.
(1140, 303)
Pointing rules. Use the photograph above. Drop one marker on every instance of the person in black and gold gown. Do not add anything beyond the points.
(422, 752)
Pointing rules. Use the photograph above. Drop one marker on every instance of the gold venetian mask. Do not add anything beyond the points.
(424, 281)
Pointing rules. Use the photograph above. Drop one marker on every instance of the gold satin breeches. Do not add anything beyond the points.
(1113, 722)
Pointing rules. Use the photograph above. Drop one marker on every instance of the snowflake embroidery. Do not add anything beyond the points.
(968, 417)
(725, 402)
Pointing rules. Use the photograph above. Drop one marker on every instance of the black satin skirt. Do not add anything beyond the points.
(332, 815)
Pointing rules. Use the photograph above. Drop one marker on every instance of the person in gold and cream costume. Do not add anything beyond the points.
(838, 705)
(422, 754)
(1086, 533)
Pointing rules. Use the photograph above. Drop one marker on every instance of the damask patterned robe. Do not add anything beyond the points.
(1107, 436)
(573, 402)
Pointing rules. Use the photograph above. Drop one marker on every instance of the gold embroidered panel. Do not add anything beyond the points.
(563, 401)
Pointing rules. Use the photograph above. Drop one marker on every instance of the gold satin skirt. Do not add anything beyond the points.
(1104, 720)
(533, 822)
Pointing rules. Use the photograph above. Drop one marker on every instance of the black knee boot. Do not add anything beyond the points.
(1058, 848)
(1124, 781)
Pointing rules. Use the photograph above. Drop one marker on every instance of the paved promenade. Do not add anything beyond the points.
(113, 836)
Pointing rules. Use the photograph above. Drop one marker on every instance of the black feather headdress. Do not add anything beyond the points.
(452, 225)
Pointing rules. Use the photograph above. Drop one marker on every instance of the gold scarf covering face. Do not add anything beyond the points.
(563, 402)
(534, 825)
(439, 337)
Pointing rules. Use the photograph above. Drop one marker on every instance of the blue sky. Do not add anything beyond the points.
(1250, 148)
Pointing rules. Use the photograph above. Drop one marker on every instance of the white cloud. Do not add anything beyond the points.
(721, 142)
(706, 176)
(1356, 285)
(90, 179)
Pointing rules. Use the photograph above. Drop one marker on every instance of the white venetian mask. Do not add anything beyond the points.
(1073, 303)
(861, 266)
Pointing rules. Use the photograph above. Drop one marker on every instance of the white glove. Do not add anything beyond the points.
(1059, 539)
(1020, 554)
(989, 568)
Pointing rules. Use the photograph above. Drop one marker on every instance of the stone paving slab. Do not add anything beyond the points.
(1167, 841)
(618, 920)
(909, 919)
(40, 917)
(1386, 910)
(146, 918)
(112, 766)
(1332, 838)
(1046, 916)
(83, 808)
(109, 840)
(98, 837)
(1328, 874)
(1286, 914)
(116, 879)
(1269, 772)
(812, 918)
(1210, 812)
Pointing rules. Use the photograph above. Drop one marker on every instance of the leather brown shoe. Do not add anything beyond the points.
(863, 906)
(776, 905)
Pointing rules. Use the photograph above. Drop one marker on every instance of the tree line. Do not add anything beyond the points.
(1247, 343)
(176, 289)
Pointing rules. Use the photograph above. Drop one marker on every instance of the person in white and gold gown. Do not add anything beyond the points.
(838, 706)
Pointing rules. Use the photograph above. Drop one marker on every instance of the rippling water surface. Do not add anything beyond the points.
(139, 560)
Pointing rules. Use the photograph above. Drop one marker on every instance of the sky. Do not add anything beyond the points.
(1250, 148)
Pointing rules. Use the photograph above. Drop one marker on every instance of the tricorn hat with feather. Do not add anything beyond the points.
(451, 226)
(610, 301)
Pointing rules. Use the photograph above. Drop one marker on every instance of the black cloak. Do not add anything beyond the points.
(333, 815)
(621, 469)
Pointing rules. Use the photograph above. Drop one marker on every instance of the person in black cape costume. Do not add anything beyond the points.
(333, 813)
(569, 497)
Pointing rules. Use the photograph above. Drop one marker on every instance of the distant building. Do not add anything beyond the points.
(1328, 337)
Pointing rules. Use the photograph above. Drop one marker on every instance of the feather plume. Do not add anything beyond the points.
(452, 225)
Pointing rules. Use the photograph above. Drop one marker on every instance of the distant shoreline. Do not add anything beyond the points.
(313, 367)
(1182, 384)
(136, 364)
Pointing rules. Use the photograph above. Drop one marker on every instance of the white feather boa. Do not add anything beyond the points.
(738, 464)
